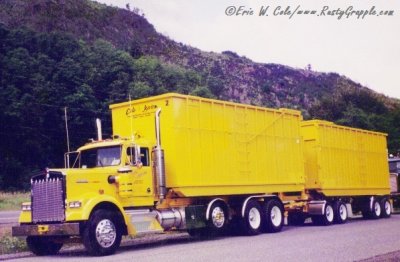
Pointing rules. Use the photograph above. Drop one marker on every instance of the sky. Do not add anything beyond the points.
(358, 39)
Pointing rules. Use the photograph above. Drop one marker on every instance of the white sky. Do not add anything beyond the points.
(365, 50)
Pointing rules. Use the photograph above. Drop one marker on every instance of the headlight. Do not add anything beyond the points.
(26, 207)
(75, 204)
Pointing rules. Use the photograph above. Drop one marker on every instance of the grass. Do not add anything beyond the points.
(13, 201)
(9, 202)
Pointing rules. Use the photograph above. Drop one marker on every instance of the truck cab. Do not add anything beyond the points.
(122, 163)
(91, 198)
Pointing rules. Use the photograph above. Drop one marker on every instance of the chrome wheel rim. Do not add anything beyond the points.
(276, 216)
(329, 213)
(254, 218)
(106, 233)
(343, 212)
(218, 217)
(377, 209)
(388, 208)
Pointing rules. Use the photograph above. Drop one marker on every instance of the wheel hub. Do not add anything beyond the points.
(106, 233)
(343, 212)
(377, 209)
(254, 218)
(218, 217)
(329, 213)
(388, 208)
(276, 216)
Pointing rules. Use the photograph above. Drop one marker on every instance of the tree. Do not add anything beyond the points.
(202, 91)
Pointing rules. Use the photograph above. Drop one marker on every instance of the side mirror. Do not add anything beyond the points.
(134, 156)
(137, 155)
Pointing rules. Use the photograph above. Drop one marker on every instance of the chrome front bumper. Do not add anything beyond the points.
(66, 229)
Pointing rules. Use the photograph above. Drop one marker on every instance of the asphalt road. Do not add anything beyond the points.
(9, 217)
(357, 240)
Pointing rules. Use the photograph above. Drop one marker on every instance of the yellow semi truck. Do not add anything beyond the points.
(205, 166)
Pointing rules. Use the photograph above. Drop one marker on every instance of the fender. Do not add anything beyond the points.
(210, 204)
(251, 197)
(92, 200)
(89, 202)
(371, 203)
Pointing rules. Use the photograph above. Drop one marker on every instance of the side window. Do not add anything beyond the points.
(144, 155)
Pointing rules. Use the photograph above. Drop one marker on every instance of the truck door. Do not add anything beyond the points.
(142, 175)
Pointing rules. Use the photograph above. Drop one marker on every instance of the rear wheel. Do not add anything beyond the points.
(273, 211)
(102, 235)
(42, 246)
(253, 218)
(376, 211)
(340, 212)
(386, 208)
(327, 218)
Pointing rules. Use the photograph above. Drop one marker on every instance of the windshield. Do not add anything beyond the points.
(100, 157)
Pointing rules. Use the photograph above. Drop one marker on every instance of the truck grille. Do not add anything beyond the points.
(48, 200)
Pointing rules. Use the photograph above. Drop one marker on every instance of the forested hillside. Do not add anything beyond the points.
(41, 74)
(83, 56)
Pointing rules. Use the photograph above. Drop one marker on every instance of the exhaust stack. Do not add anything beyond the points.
(98, 125)
(158, 136)
(159, 162)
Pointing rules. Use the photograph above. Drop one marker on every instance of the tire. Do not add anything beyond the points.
(274, 218)
(216, 224)
(340, 212)
(376, 211)
(102, 234)
(218, 218)
(327, 218)
(43, 246)
(253, 219)
(386, 208)
(296, 219)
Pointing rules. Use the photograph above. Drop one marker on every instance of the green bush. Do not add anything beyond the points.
(10, 245)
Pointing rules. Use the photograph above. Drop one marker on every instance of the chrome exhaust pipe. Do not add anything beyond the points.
(99, 133)
(159, 162)
(158, 135)
(171, 218)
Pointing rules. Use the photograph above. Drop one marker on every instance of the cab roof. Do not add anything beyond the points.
(102, 143)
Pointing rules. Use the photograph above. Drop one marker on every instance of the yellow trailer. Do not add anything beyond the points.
(346, 169)
(218, 148)
(344, 161)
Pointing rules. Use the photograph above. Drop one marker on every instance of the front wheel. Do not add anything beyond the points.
(43, 246)
(102, 235)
